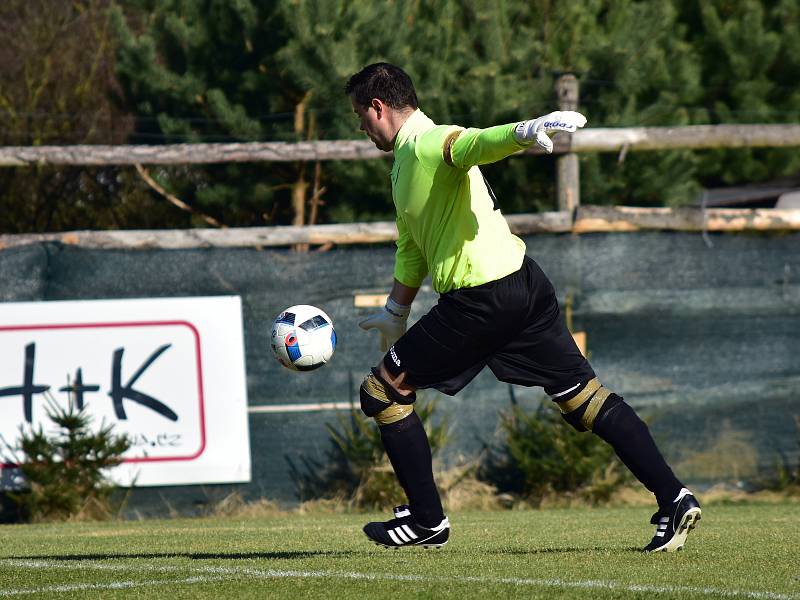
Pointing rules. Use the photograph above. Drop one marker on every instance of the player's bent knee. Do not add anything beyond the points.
(581, 410)
(393, 394)
(373, 396)
(377, 401)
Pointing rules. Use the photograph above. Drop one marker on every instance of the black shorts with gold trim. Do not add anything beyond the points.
(513, 325)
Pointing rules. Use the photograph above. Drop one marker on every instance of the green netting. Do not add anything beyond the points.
(701, 334)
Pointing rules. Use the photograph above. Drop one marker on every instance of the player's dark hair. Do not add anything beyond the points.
(384, 81)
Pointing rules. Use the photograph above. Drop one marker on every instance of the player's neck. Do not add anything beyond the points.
(399, 118)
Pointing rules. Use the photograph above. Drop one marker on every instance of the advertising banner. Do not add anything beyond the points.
(168, 373)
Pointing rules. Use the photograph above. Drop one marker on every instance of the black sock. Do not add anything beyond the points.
(407, 446)
(621, 427)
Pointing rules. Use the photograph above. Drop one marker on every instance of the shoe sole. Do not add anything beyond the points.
(422, 545)
(426, 546)
(688, 522)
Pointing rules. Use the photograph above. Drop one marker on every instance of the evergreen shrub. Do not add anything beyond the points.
(65, 468)
(356, 470)
(541, 456)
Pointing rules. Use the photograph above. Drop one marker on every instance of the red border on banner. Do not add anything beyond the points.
(201, 397)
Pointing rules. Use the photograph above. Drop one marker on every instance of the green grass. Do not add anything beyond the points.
(741, 551)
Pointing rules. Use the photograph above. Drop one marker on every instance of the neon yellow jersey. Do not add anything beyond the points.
(446, 220)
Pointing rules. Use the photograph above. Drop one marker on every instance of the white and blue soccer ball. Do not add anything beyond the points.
(303, 338)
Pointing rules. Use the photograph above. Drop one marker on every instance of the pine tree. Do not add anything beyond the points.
(212, 70)
(66, 469)
(467, 62)
(205, 71)
(749, 53)
(480, 64)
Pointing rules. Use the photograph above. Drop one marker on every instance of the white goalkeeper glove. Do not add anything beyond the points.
(536, 130)
(390, 323)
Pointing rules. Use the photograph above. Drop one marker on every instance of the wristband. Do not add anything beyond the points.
(399, 311)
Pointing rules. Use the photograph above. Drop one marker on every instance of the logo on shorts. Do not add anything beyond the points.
(393, 354)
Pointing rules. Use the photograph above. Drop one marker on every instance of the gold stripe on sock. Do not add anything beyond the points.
(567, 406)
(394, 413)
(375, 389)
(595, 404)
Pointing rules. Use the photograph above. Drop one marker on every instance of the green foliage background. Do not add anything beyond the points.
(147, 71)
(541, 456)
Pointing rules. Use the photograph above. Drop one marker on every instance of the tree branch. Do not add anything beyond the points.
(176, 201)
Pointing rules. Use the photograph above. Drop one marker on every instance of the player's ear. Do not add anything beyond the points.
(377, 105)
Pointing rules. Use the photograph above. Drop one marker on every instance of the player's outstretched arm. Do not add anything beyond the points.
(536, 130)
(465, 148)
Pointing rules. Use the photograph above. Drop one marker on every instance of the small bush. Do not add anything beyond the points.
(730, 455)
(356, 470)
(64, 468)
(786, 476)
(542, 456)
(235, 505)
(462, 490)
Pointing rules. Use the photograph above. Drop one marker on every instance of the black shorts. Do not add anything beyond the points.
(513, 325)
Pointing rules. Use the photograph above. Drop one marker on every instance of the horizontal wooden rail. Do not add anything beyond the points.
(588, 219)
(175, 154)
(690, 137)
(585, 140)
(596, 219)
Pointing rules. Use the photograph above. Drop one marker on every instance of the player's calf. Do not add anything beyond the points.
(590, 406)
(408, 449)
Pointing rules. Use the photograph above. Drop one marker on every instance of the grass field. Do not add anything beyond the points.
(739, 551)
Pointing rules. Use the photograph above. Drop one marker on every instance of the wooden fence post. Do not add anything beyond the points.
(299, 187)
(568, 184)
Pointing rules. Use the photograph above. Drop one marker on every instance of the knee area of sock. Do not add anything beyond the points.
(587, 408)
(575, 419)
(617, 415)
(409, 421)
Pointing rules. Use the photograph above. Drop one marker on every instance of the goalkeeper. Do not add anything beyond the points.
(496, 308)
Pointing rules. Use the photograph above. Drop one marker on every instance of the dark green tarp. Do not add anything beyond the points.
(700, 333)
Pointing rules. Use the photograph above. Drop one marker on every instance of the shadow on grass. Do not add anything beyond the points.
(304, 554)
(286, 555)
(564, 550)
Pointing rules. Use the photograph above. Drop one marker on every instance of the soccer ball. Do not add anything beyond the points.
(303, 338)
